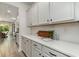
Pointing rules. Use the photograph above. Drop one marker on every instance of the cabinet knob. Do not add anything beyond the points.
(35, 45)
(40, 54)
(50, 19)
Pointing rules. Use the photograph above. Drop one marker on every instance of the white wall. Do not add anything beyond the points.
(22, 15)
(21, 18)
(67, 32)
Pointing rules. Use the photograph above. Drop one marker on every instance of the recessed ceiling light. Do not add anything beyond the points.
(8, 11)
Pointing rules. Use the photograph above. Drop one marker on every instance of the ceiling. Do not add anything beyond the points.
(8, 11)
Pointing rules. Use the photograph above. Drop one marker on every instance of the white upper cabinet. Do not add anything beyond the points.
(29, 17)
(76, 10)
(43, 12)
(60, 11)
(32, 15)
(35, 14)
(52, 13)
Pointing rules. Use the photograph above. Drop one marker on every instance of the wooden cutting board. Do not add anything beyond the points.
(46, 34)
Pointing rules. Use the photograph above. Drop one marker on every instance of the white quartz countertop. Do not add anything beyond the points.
(65, 47)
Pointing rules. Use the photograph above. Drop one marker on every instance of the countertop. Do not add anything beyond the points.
(71, 49)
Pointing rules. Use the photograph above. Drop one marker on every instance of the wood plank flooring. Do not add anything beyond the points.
(8, 48)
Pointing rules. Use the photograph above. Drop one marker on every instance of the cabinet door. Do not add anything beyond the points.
(28, 47)
(36, 45)
(23, 44)
(36, 53)
(29, 17)
(52, 53)
(61, 11)
(43, 12)
(76, 10)
(45, 55)
(35, 14)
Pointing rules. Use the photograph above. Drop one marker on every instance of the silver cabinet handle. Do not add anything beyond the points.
(50, 19)
(35, 45)
(42, 56)
(52, 54)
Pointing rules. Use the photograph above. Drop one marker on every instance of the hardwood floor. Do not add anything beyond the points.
(8, 48)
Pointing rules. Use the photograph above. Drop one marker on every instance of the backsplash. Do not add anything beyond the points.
(68, 32)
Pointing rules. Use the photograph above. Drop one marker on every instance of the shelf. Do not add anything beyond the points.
(55, 23)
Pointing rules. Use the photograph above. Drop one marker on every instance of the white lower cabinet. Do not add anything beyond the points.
(34, 49)
(36, 45)
(52, 53)
(39, 50)
(23, 44)
(26, 46)
(45, 55)
(36, 52)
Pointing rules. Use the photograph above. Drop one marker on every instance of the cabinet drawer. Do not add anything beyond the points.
(36, 53)
(23, 48)
(45, 55)
(52, 53)
(24, 40)
(36, 45)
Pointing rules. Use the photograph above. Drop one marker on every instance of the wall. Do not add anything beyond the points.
(21, 19)
(21, 16)
(67, 32)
